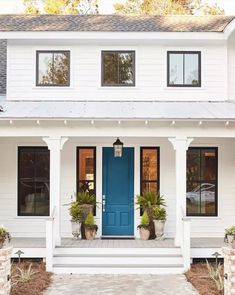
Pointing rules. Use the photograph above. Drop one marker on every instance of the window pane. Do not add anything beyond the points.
(110, 68)
(208, 165)
(193, 198)
(45, 68)
(176, 69)
(149, 164)
(33, 181)
(191, 69)
(86, 169)
(126, 68)
(150, 186)
(193, 166)
(61, 69)
(201, 181)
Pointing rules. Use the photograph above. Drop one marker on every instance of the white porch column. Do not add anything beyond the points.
(180, 146)
(55, 145)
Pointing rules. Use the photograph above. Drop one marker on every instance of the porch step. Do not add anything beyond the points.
(118, 261)
(118, 269)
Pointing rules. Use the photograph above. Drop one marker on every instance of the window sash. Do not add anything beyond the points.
(33, 180)
(118, 53)
(201, 180)
(142, 180)
(183, 53)
(53, 53)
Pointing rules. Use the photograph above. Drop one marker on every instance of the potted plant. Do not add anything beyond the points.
(75, 213)
(144, 229)
(159, 219)
(146, 202)
(87, 202)
(90, 227)
(4, 236)
(230, 236)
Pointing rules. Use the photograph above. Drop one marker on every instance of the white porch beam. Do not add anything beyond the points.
(180, 146)
(55, 145)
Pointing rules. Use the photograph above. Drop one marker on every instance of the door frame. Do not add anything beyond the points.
(134, 147)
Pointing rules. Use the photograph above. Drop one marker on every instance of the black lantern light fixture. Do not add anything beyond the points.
(117, 147)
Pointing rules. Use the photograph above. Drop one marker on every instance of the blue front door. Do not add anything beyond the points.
(118, 192)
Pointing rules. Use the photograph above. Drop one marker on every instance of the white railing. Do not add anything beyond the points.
(50, 240)
(185, 240)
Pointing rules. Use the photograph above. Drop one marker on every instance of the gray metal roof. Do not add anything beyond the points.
(114, 23)
(117, 110)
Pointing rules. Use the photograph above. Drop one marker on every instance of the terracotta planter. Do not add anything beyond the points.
(76, 228)
(144, 233)
(159, 229)
(90, 231)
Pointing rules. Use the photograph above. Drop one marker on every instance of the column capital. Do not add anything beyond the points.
(55, 142)
(180, 142)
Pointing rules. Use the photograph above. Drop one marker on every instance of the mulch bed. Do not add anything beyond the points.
(198, 276)
(38, 282)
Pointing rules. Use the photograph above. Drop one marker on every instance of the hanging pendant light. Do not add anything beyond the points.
(117, 147)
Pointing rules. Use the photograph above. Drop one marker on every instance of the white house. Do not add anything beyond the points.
(70, 86)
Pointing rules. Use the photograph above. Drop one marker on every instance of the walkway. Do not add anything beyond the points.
(120, 284)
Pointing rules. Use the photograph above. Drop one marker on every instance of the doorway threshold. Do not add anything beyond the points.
(117, 237)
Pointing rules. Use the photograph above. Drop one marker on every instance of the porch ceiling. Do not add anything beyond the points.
(156, 110)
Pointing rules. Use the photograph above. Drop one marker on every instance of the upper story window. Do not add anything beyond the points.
(183, 68)
(53, 68)
(202, 179)
(118, 68)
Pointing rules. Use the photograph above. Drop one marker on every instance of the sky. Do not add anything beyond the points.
(105, 6)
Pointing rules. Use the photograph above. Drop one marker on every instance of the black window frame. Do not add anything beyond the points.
(199, 69)
(20, 148)
(37, 68)
(215, 149)
(77, 168)
(103, 52)
(157, 148)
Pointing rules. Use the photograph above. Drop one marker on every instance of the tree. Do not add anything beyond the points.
(31, 7)
(166, 7)
(61, 6)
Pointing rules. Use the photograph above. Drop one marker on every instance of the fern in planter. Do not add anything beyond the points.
(75, 211)
(159, 213)
(149, 199)
(90, 222)
(86, 198)
(4, 236)
(144, 220)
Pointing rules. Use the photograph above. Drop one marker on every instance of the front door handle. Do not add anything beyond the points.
(103, 203)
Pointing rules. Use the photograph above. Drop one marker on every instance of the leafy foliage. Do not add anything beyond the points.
(4, 234)
(90, 219)
(145, 219)
(150, 199)
(159, 213)
(75, 211)
(168, 7)
(86, 198)
(215, 273)
(23, 275)
(230, 230)
(61, 6)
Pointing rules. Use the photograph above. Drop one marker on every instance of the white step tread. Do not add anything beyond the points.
(118, 266)
(142, 255)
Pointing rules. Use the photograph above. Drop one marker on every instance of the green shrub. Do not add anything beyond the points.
(75, 211)
(149, 199)
(159, 213)
(90, 219)
(145, 219)
(86, 198)
(4, 234)
(230, 230)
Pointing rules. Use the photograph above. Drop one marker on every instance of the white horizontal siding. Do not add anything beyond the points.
(151, 69)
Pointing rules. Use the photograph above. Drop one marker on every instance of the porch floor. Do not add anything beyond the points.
(115, 243)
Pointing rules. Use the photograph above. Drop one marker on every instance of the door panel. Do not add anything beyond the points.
(118, 189)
